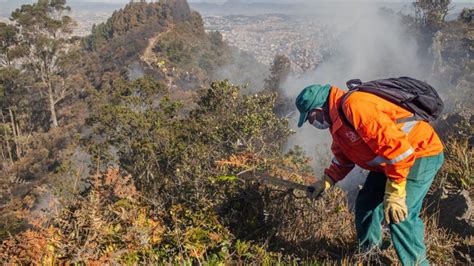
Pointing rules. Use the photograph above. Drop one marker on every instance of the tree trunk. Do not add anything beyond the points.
(52, 107)
(15, 134)
(7, 141)
(4, 159)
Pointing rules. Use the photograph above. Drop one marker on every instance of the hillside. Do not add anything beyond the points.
(122, 148)
(163, 39)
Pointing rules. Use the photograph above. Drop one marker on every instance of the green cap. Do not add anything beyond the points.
(313, 96)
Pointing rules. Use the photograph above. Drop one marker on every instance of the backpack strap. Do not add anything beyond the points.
(342, 115)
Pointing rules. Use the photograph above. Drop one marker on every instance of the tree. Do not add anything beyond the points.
(431, 13)
(14, 111)
(279, 72)
(467, 15)
(45, 30)
(11, 47)
(173, 155)
(11, 91)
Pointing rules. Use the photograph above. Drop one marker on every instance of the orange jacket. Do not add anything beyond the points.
(378, 143)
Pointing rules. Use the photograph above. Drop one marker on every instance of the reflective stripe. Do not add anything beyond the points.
(335, 161)
(379, 159)
(408, 126)
(406, 119)
(402, 156)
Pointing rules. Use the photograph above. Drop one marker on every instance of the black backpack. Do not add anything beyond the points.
(414, 95)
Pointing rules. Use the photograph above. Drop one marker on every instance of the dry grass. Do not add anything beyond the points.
(255, 224)
(440, 244)
(459, 165)
(294, 230)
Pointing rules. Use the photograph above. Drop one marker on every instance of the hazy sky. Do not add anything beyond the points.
(250, 1)
(253, 1)
(293, 1)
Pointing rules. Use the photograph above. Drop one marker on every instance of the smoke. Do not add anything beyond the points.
(360, 40)
(243, 69)
(135, 71)
(367, 43)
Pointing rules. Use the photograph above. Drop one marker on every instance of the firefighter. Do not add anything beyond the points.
(403, 159)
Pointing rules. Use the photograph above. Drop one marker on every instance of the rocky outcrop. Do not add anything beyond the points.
(455, 209)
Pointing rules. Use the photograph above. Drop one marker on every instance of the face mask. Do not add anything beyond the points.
(319, 125)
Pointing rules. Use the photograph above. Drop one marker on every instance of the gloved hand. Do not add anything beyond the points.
(317, 188)
(394, 203)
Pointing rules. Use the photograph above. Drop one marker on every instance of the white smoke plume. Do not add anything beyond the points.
(244, 70)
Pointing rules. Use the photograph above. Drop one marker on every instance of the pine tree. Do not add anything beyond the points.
(279, 72)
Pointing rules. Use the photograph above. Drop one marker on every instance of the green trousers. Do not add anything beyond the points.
(407, 236)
